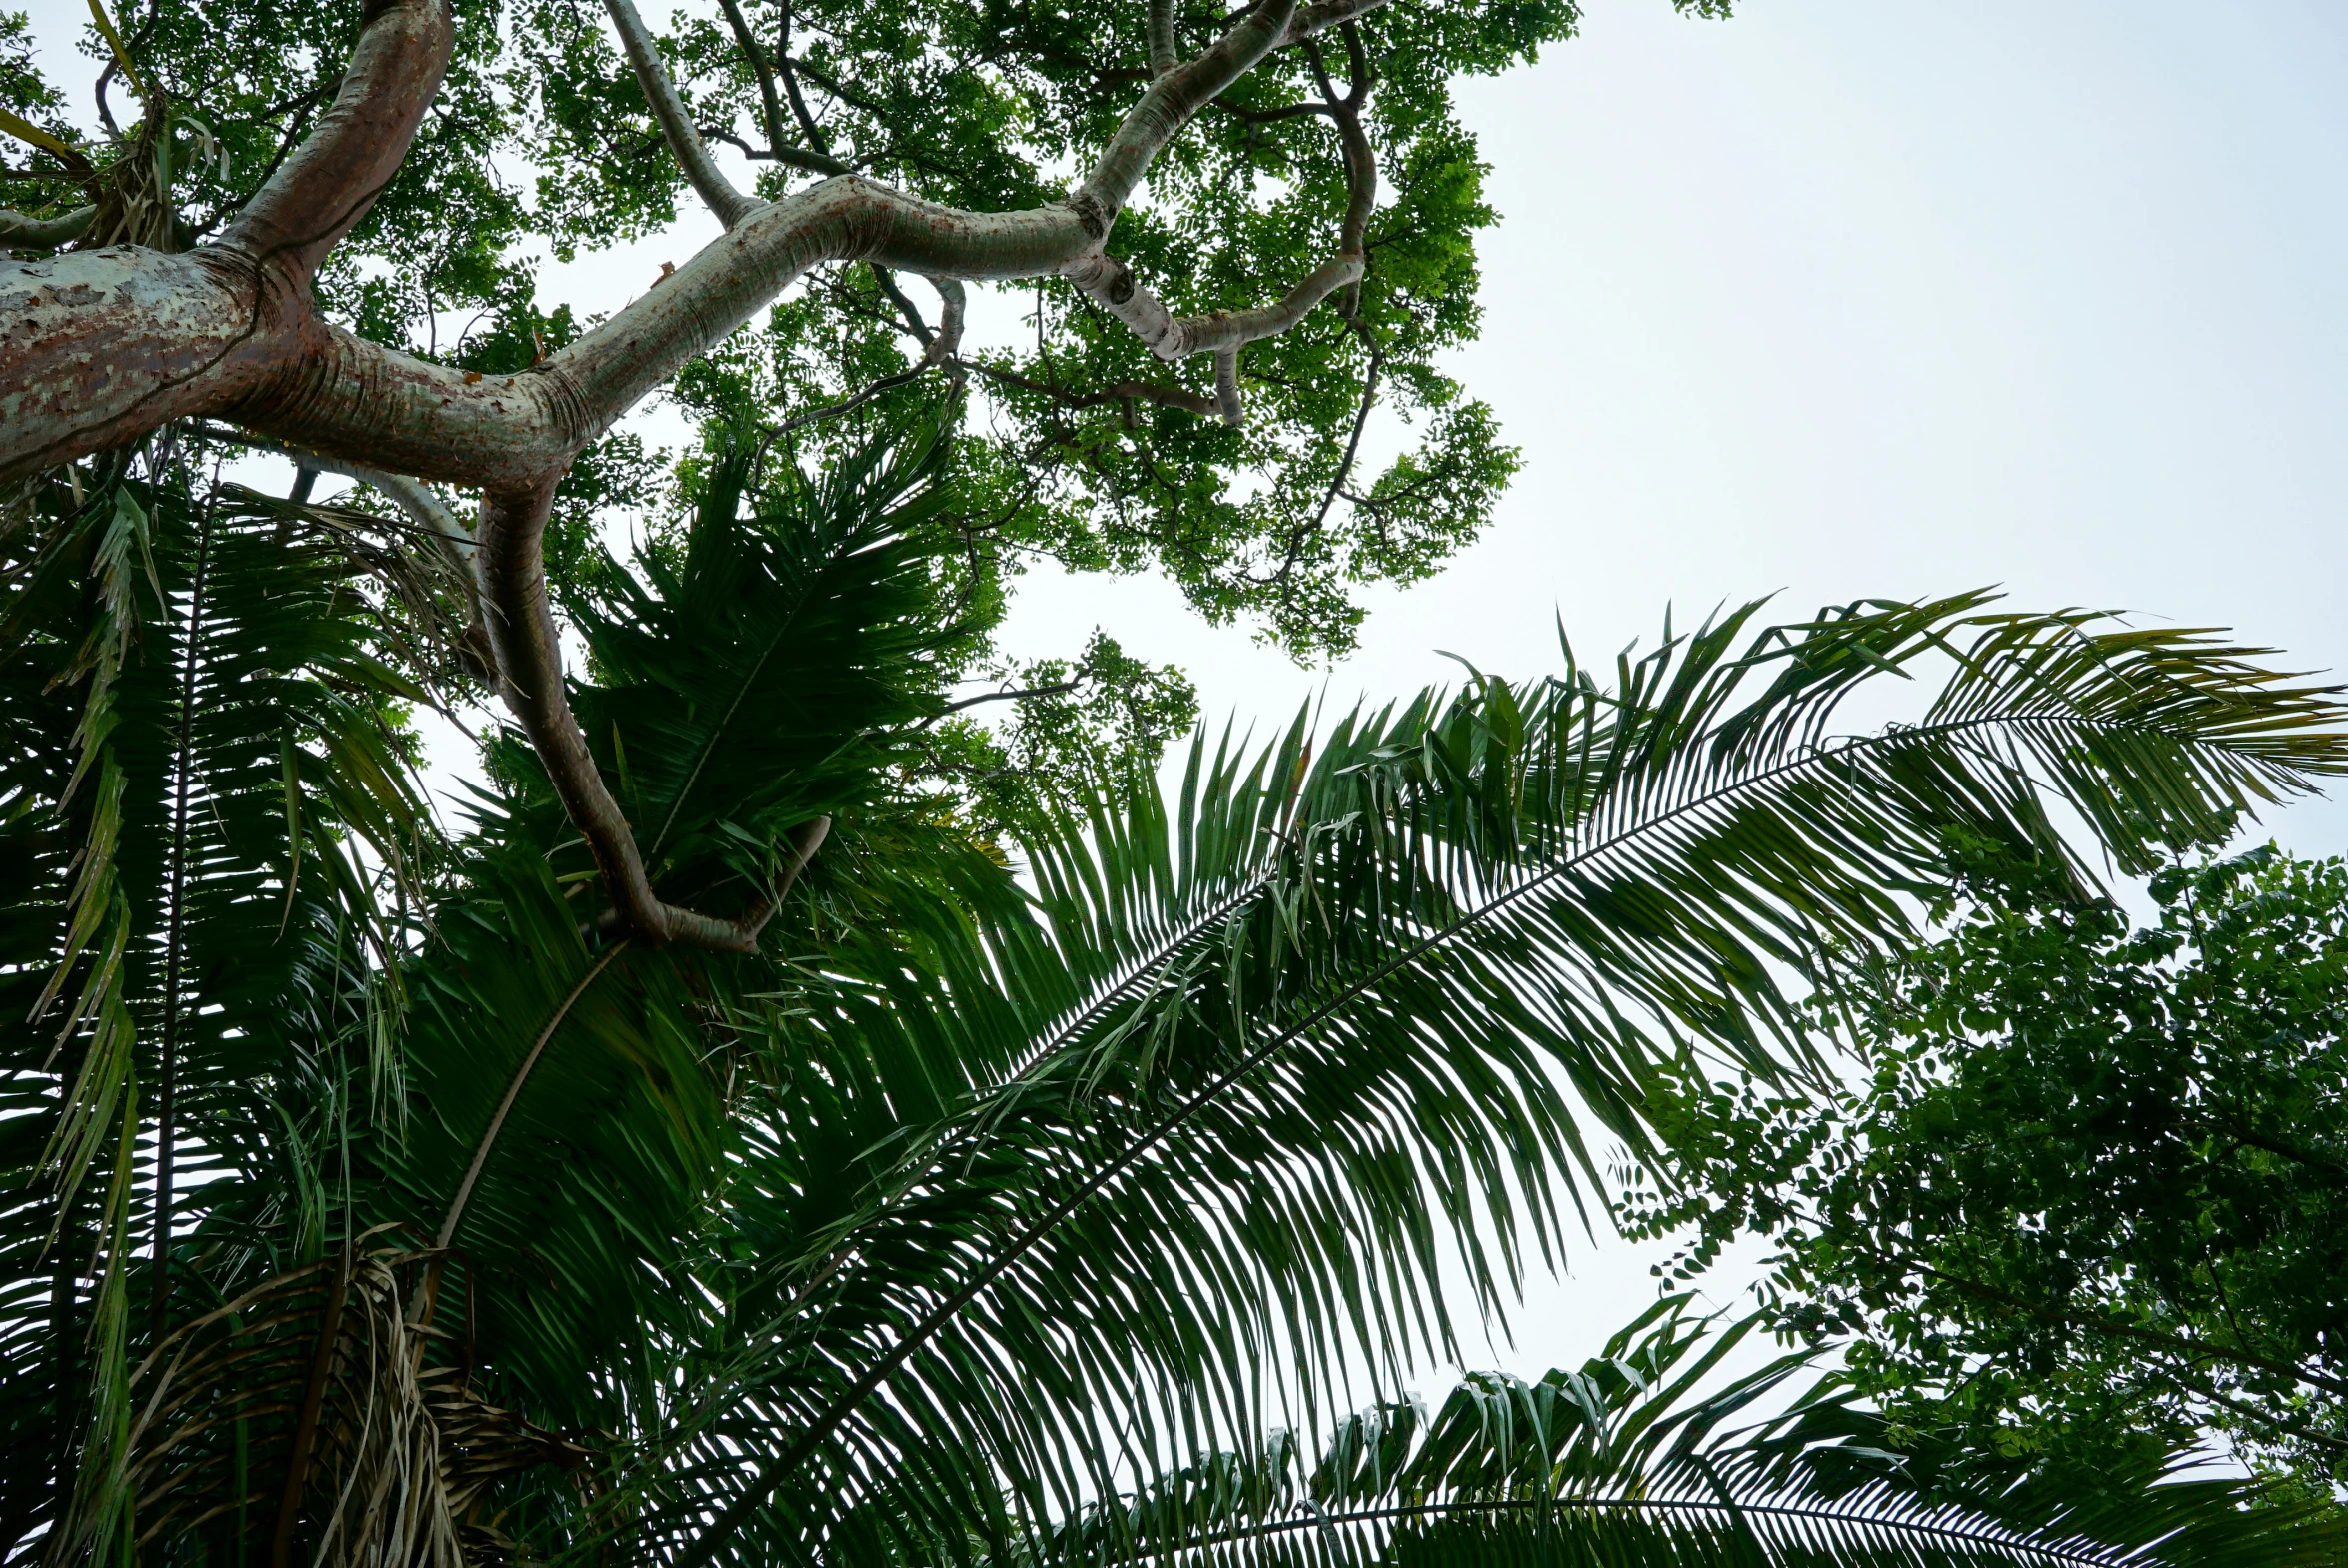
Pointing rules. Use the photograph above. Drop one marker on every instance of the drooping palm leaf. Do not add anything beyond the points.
(1278, 1052)
(1648, 1454)
(203, 798)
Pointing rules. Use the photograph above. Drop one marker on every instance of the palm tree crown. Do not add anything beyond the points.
(1020, 1180)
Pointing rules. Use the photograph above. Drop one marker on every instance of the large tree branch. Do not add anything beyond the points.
(229, 331)
(1312, 19)
(99, 347)
(315, 195)
(1164, 49)
(21, 232)
(1172, 99)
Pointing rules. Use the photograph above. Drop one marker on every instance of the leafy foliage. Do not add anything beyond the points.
(208, 818)
(2086, 1195)
(1202, 1140)
(1082, 448)
(983, 1191)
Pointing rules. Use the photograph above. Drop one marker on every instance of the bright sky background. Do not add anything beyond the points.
(1860, 296)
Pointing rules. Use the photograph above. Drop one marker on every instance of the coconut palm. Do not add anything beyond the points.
(1012, 1181)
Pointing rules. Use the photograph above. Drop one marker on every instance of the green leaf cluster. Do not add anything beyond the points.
(2083, 1194)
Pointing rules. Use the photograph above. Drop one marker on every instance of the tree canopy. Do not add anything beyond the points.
(2084, 1194)
(1083, 445)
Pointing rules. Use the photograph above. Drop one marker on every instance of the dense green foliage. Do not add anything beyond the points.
(2087, 1192)
(1081, 449)
(1074, 1146)
(975, 1196)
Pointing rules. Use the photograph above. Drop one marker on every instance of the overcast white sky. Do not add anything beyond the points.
(1864, 296)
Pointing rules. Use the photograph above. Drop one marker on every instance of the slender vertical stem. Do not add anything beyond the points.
(297, 1470)
(799, 110)
(771, 105)
(166, 1117)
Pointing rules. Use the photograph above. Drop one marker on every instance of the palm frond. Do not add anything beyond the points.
(1646, 1453)
(1273, 1058)
(263, 759)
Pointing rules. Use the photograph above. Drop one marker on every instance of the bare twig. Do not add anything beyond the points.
(779, 152)
(1114, 393)
(1060, 690)
(768, 102)
(807, 122)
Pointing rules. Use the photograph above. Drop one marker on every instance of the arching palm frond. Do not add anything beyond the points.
(1648, 1454)
(1050, 1204)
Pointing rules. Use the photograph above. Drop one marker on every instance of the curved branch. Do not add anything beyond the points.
(952, 307)
(1111, 285)
(677, 127)
(1172, 99)
(1227, 387)
(21, 232)
(315, 195)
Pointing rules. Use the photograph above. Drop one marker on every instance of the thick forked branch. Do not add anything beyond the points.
(229, 331)
(194, 331)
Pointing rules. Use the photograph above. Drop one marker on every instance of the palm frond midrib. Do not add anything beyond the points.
(1983, 1532)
